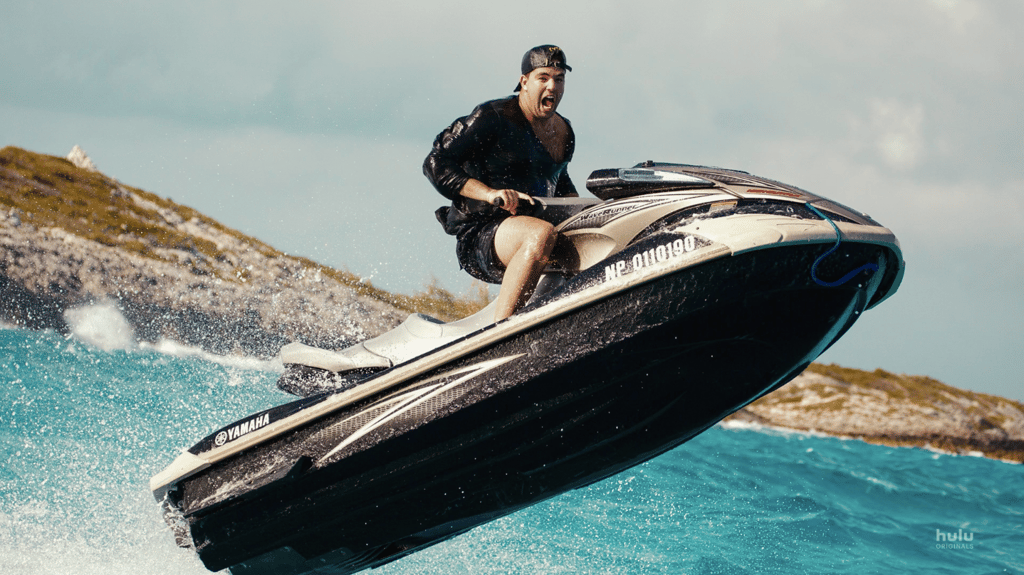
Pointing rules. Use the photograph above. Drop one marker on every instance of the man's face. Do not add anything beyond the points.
(541, 91)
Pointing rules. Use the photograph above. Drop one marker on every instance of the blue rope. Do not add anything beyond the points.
(839, 239)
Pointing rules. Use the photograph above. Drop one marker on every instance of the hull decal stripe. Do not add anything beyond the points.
(417, 397)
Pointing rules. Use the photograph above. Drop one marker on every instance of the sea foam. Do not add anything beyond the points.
(104, 326)
(101, 325)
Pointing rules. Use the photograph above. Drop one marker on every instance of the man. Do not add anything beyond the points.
(494, 160)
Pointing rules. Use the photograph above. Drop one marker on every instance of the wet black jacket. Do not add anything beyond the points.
(496, 145)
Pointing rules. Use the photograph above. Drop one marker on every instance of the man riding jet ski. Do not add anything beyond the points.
(495, 161)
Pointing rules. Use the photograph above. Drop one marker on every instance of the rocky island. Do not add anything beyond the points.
(893, 409)
(71, 236)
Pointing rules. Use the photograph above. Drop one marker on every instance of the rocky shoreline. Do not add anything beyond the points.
(71, 237)
(892, 409)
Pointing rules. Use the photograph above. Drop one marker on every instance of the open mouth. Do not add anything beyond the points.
(548, 101)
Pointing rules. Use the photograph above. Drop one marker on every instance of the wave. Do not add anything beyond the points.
(175, 349)
(103, 325)
(735, 425)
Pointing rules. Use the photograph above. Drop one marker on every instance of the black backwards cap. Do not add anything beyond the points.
(546, 56)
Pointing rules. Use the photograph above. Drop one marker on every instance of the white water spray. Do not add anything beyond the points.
(101, 325)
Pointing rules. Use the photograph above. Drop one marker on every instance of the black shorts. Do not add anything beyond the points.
(475, 250)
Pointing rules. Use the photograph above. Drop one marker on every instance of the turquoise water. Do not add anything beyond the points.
(83, 429)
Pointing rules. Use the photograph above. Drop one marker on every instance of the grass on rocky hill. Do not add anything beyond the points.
(918, 389)
(51, 192)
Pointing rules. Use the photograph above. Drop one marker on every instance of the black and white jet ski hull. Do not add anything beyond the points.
(626, 360)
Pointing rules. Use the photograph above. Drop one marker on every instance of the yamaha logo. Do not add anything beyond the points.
(241, 429)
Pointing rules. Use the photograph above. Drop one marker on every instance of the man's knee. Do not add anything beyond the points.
(540, 241)
(544, 231)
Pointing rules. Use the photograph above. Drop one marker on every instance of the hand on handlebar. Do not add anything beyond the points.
(509, 199)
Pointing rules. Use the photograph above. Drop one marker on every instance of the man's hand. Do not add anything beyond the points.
(505, 199)
(508, 199)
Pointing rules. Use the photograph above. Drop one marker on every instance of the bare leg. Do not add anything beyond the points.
(523, 244)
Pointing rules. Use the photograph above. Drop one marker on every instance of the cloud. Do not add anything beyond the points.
(896, 130)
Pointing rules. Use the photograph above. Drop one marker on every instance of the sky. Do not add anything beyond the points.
(305, 124)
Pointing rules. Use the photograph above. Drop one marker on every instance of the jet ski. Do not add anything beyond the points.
(675, 297)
